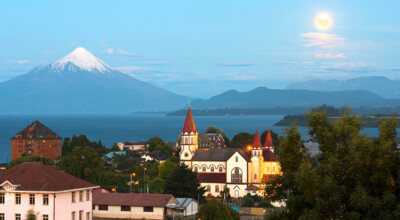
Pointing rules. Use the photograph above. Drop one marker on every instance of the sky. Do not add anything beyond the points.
(203, 48)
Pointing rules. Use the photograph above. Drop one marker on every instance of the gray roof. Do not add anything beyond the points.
(182, 203)
(213, 154)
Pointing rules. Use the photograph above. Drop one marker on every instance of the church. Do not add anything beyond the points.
(241, 170)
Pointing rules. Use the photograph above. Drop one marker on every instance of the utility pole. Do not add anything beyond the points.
(144, 181)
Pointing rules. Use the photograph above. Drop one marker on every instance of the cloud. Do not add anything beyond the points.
(133, 69)
(18, 62)
(236, 64)
(322, 40)
(119, 52)
(350, 67)
(330, 56)
(290, 63)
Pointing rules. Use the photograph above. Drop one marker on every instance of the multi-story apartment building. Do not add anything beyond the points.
(36, 139)
(49, 193)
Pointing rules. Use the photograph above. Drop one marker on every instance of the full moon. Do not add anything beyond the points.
(323, 21)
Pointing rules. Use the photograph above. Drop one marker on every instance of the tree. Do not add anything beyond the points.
(247, 201)
(183, 182)
(166, 169)
(242, 140)
(32, 158)
(81, 141)
(31, 215)
(216, 210)
(352, 178)
(154, 142)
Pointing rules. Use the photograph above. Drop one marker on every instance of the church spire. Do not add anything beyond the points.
(268, 141)
(189, 126)
(256, 142)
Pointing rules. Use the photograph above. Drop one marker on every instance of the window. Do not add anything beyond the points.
(236, 175)
(17, 216)
(125, 208)
(148, 209)
(220, 169)
(87, 215)
(255, 176)
(87, 195)
(216, 189)
(45, 199)
(18, 198)
(81, 215)
(73, 215)
(236, 159)
(186, 140)
(212, 169)
(208, 188)
(2, 217)
(80, 196)
(103, 207)
(191, 140)
(2, 200)
(196, 169)
(45, 217)
(73, 197)
(31, 199)
(204, 169)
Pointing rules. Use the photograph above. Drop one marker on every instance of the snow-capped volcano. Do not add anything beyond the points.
(80, 60)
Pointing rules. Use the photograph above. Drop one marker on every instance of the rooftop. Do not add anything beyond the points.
(38, 131)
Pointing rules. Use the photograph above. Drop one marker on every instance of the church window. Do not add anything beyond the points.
(204, 169)
(267, 169)
(192, 140)
(255, 176)
(220, 169)
(208, 188)
(236, 175)
(216, 188)
(212, 169)
(273, 169)
(196, 169)
(186, 140)
(236, 159)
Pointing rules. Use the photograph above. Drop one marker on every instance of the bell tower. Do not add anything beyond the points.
(189, 139)
(257, 159)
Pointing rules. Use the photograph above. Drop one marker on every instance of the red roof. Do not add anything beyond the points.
(256, 142)
(189, 126)
(131, 199)
(268, 155)
(34, 176)
(212, 177)
(268, 141)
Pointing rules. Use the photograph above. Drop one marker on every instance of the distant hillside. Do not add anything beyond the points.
(376, 84)
(80, 83)
(263, 97)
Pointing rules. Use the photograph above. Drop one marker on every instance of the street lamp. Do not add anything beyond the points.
(133, 175)
(144, 180)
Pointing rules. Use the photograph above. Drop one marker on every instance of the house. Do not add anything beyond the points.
(215, 140)
(50, 193)
(131, 206)
(155, 156)
(241, 170)
(36, 139)
(3, 166)
(185, 207)
(140, 145)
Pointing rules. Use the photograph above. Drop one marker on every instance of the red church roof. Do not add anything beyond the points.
(212, 177)
(256, 142)
(189, 126)
(268, 141)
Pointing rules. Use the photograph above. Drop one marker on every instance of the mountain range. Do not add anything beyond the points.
(376, 84)
(81, 83)
(263, 97)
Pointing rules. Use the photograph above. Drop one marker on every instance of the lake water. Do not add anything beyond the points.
(116, 128)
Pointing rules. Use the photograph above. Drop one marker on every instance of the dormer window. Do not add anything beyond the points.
(236, 159)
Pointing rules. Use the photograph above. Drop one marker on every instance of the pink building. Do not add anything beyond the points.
(48, 192)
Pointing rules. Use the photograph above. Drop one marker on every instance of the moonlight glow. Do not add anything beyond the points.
(323, 21)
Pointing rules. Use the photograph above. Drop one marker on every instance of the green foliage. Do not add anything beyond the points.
(352, 178)
(82, 141)
(265, 203)
(31, 158)
(247, 201)
(241, 140)
(115, 148)
(166, 169)
(31, 215)
(183, 182)
(216, 210)
(154, 142)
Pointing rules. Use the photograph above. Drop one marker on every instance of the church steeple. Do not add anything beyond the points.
(268, 142)
(189, 125)
(189, 138)
(256, 141)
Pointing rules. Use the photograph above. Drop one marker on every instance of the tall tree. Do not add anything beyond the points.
(216, 210)
(241, 140)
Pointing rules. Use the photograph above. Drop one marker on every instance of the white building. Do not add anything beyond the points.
(141, 145)
(48, 192)
(241, 170)
(185, 207)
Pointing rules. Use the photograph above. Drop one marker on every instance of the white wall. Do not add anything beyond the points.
(208, 165)
(64, 205)
(135, 213)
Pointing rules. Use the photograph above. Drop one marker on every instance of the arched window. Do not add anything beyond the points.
(255, 176)
(212, 169)
(186, 140)
(191, 140)
(236, 158)
(220, 169)
(216, 188)
(208, 188)
(273, 169)
(236, 175)
(196, 169)
(204, 168)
